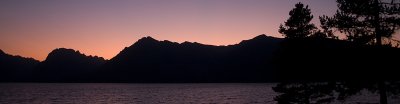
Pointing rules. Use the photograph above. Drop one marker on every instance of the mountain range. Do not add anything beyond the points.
(150, 60)
(15, 68)
(260, 59)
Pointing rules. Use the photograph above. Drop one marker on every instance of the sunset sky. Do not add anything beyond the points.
(32, 28)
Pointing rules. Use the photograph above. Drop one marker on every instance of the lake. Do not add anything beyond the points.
(91, 93)
(125, 93)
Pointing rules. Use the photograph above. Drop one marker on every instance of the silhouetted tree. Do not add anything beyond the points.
(323, 34)
(346, 89)
(326, 31)
(363, 22)
(366, 22)
(298, 25)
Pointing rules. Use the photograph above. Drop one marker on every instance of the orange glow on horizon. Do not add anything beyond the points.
(103, 28)
(107, 49)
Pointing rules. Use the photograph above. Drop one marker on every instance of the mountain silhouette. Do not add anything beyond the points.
(150, 60)
(67, 65)
(15, 68)
(260, 59)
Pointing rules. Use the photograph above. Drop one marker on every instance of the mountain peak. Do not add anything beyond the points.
(57, 50)
(147, 38)
(261, 39)
(63, 53)
(262, 36)
(2, 52)
(146, 41)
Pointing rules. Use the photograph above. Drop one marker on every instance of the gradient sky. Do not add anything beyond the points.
(33, 28)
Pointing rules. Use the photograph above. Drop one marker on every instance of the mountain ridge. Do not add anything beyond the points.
(176, 61)
(64, 64)
(259, 59)
(15, 67)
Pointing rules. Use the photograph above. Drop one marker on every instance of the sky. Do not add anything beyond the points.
(33, 28)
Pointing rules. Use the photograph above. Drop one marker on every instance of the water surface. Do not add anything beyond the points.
(125, 93)
(91, 93)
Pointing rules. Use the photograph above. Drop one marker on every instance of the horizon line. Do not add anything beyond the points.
(132, 44)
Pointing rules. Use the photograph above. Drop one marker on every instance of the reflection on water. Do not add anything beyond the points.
(90, 93)
(122, 93)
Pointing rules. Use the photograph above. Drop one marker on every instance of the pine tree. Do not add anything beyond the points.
(298, 25)
(367, 22)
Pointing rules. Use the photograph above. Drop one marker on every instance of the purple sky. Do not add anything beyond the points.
(32, 28)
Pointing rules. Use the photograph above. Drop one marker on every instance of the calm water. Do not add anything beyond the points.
(89, 93)
(119, 93)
